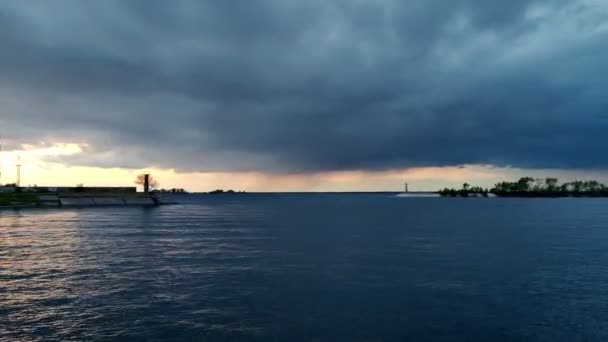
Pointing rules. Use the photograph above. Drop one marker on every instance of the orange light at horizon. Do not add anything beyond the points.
(38, 170)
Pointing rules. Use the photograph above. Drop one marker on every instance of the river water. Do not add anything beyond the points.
(306, 267)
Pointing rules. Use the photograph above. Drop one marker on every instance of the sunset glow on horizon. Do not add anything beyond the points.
(37, 170)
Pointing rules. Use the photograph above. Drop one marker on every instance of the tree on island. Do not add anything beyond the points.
(525, 183)
(466, 191)
(551, 184)
(594, 186)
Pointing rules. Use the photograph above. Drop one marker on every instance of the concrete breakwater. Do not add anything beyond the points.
(75, 200)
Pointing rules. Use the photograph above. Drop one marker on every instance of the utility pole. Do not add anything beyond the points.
(0, 163)
(18, 171)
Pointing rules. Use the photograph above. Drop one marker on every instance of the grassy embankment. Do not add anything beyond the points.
(8, 199)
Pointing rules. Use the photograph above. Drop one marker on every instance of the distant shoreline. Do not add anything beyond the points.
(529, 195)
(528, 187)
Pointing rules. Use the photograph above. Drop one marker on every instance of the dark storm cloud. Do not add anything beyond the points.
(309, 85)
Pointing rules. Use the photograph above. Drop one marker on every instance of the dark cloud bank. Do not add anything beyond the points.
(303, 86)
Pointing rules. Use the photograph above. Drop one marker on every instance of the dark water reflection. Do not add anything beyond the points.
(308, 268)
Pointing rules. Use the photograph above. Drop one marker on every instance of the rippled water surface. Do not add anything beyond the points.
(308, 268)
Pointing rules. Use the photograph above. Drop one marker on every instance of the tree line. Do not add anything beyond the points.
(532, 187)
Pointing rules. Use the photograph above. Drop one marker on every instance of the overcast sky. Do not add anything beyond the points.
(310, 86)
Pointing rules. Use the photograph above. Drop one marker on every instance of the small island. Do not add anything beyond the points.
(170, 191)
(224, 192)
(532, 187)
